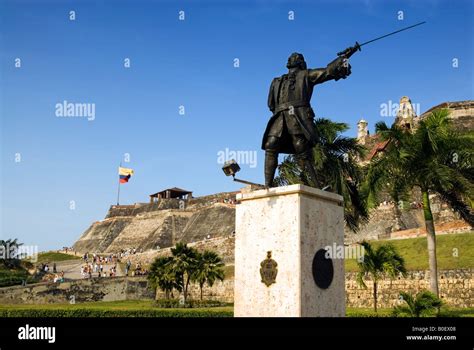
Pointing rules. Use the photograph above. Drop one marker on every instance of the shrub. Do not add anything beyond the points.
(424, 303)
(190, 304)
(114, 313)
(15, 277)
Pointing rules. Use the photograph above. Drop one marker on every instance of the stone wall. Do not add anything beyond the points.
(456, 288)
(222, 291)
(384, 223)
(170, 203)
(461, 114)
(224, 246)
(455, 226)
(149, 226)
(95, 289)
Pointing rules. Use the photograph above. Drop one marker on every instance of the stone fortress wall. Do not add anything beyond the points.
(78, 291)
(153, 226)
(456, 290)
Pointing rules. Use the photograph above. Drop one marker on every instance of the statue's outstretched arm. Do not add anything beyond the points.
(337, 69)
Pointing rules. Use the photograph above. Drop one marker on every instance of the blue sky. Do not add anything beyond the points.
(189, 63)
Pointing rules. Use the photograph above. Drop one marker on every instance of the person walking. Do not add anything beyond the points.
(127, 267)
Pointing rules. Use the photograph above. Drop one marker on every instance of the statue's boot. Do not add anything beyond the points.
(306, 163)
(271, 163)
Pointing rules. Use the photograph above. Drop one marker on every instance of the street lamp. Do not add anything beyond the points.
(231, 168)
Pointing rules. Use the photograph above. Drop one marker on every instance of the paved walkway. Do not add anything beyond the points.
(72, 269)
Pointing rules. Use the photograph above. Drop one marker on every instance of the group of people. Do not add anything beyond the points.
(224, 200)
(99, 259)
(58, 277)
(126, 252)
(88, 269)
(69, 250)
(46, 269)
(96, 265)
(111, 258)
(139, 270)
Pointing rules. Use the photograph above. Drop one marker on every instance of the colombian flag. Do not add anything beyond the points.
(125, 174)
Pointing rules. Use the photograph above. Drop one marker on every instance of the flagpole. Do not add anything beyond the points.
(118, 191)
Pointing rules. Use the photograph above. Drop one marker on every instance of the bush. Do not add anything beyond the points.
(425, 303)
(15, 277)
(190, 304)
(114, 313)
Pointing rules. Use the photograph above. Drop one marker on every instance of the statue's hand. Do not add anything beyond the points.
(349, 51)
(346, 68)
(343, 69)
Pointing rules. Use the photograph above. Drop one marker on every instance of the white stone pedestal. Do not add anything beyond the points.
(293, 223)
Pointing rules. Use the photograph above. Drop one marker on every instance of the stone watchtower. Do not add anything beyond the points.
(406, 114)
(362, 131)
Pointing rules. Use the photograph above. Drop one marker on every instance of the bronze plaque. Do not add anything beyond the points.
(268, 270)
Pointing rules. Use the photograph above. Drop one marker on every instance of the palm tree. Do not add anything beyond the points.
(378, 263)
(209, 269)
(423, 303)
(335, 162)
(161, 276)
(183, 265)
(435, 159)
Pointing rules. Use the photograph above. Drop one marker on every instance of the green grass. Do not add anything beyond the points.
(113, 305)
(416, 255)
(97, 305)
(367, 312)
(126, 308)
(147, 308)
(386, 312)
(55, 256)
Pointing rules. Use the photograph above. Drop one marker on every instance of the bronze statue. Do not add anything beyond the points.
(291, 128)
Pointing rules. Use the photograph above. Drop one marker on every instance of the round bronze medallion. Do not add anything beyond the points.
(323, 269)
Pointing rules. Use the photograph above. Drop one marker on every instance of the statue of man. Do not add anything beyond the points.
(291, 129)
